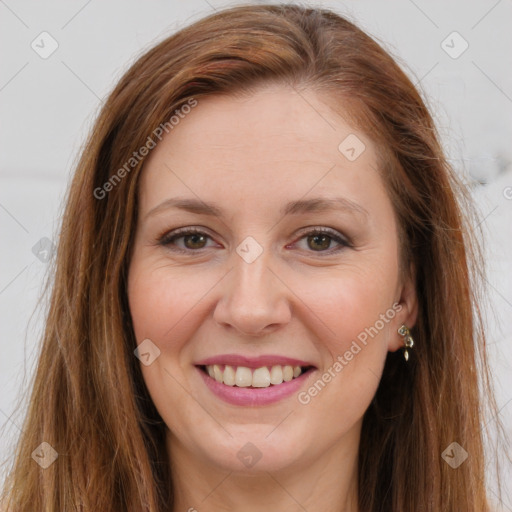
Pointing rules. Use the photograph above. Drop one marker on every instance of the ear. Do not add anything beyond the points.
(406, 308)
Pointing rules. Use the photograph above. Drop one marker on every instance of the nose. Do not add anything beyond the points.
(254, 301)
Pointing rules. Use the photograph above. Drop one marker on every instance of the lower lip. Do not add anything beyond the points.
(254, 396)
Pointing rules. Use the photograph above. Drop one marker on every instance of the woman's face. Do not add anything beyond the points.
(293, 273)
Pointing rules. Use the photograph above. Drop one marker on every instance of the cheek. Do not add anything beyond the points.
(164, 301)
(349, 301)
(357, 311)
(165, 306)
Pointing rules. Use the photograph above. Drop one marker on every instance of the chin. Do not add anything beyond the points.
(252, 449)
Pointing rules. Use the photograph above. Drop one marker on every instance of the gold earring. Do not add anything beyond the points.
(408, 341)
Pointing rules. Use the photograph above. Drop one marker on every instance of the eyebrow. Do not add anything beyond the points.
(301, 206)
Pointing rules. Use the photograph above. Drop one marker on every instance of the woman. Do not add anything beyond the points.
(263, 291)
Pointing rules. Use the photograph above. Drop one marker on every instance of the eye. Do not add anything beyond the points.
(320, 240)
(193, 239)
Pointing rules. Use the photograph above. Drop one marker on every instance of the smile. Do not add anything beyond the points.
(244, 377)
(254, 381)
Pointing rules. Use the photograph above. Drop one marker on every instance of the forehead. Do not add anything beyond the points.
(275, 144)
(275, 121)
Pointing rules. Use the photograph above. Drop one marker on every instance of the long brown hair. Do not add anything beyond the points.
(89, 401)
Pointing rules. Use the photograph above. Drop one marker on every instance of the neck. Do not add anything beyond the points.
(328, 483)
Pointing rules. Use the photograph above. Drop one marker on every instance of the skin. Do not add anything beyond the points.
(300, 298)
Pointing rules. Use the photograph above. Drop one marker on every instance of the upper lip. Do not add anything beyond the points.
(252, 362)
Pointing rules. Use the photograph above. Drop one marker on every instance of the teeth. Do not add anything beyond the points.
(244, 377)
(261, 378)
(217, 374)
(288, 373)
(276, 375)
(229, 376)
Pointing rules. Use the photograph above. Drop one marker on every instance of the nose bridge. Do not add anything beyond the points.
(253, 299)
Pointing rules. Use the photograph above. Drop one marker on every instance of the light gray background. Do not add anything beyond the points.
(48, 105)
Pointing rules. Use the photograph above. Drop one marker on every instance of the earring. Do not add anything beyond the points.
(408, 341)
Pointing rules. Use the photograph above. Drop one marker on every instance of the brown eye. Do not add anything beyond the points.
(194, 241)
(185, 240)
(319, 242)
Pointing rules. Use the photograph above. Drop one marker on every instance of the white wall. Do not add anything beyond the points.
(47, 106)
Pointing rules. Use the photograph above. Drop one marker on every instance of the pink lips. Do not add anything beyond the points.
(253, 396)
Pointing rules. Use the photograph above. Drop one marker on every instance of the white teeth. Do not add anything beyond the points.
(287, 373)
(229, 376)
(217, 374)
(261, 378)
(276, 375)
(244, 377)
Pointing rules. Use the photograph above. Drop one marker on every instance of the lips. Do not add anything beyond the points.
(259, 380)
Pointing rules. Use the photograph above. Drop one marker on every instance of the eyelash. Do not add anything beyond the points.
(167, 239)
